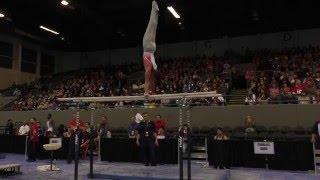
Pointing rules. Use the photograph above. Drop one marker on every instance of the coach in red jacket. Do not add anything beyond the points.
(33, 141)
(73, 124)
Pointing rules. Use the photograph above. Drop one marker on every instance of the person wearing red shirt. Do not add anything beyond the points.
(286, 89)
(299, 88)
(160, 125)
(73, 123)
(274, 94)
(33, 141)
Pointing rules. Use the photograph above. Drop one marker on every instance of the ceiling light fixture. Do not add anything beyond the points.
(64, 2)
(2, 15)
(49, 30)
(173, 12)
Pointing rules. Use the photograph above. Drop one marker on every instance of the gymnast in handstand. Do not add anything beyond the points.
(149, 48)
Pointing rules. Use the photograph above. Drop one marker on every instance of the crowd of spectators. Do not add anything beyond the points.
(198, 74)
(291, 75)
(287, 76)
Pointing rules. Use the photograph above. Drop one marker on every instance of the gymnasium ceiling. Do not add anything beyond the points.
(100, 24)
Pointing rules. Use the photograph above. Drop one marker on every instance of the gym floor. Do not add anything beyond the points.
(132, 171)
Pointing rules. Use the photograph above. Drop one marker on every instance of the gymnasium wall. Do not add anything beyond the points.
(9, 76)
(14, 74)
(76, 60)
(267, 115)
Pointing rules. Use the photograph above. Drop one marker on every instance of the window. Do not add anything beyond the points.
(47, 64)
(6, 53)
(28, 60)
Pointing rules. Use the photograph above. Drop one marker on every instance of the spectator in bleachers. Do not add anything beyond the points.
(175, 76)
(317, 98)
(17, 92)
(274, 94)
(250, 99)
(262, 98)
(294, 71)
(317, 80)
(24, 129)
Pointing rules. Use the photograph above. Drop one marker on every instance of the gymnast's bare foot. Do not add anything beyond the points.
(146, 95)
(155, 5)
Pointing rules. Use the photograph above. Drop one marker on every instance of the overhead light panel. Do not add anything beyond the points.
(49, 30)
(64, 2)
(2, 15)
(173, 12)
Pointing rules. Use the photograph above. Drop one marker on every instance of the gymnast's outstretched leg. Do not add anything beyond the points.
(149, 48)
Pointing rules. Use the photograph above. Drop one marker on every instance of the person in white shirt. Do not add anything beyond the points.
(24, 129)
(50, 124)
(250, 99)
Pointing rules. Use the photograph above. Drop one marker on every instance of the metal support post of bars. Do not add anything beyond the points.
(91, 143)
(26, 148)
(189, 140)
(184, 105)
(76, 144)
(180, 141)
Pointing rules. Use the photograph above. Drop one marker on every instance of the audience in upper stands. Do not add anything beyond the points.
(291, 75)
(175, 76)
(287, 76)
(250, 99)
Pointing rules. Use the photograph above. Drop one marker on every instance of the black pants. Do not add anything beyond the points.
(32, 150)
(221, 160)
(147, 148)
(71, 149)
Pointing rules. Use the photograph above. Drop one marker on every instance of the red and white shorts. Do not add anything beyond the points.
(147, 61)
